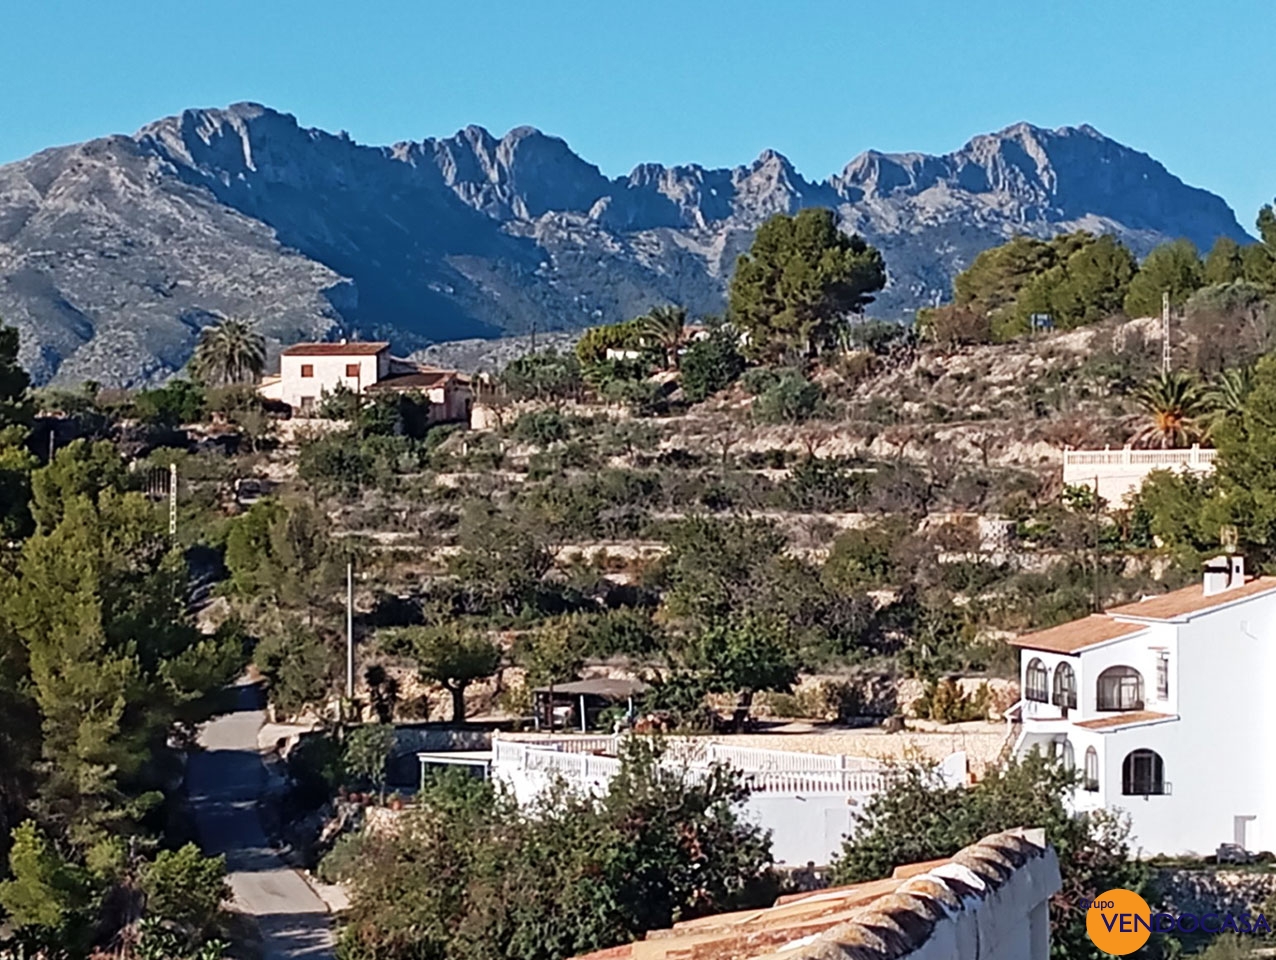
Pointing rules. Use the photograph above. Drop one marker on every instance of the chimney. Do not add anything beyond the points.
(1218, 576)
(1223, 573)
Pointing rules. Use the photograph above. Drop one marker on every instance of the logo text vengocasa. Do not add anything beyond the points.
(1119, 922)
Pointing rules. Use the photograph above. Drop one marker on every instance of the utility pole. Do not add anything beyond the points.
(533, 334)
(1098, 597)
(1165, 333)
(349, 629)
(172, 500)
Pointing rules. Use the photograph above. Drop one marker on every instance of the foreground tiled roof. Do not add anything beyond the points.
(868, 921)
(1191, 600)
(1071, 637)
(370, 348)
(1118, 720)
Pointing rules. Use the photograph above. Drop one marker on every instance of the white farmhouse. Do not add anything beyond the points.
(308, 371)
(1165, 706)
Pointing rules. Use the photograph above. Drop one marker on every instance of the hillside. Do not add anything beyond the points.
(114, 253)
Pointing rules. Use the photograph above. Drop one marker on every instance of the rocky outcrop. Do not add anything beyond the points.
(115, 253)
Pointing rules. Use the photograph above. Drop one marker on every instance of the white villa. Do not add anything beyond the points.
(308, 371)
(1166, 708)
(809, 801)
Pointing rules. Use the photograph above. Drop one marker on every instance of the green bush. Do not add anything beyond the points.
(944, 702)
(339, 863)
(187, 889)
(177, 402)
(542, 427)
(709, 365)
(790, 398)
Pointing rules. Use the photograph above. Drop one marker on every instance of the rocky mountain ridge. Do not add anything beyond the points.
(114, 253)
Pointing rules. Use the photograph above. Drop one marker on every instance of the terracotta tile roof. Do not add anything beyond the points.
(879, 919)
(418, 380)
(354, 349)
(1191, 600)
(1123, 720)
(1074, 636)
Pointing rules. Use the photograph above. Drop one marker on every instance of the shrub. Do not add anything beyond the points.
(338, 864)
(710, 365)
(944, 702)
(187, 889)
(177, 402)
(791, 398)
(542, 427)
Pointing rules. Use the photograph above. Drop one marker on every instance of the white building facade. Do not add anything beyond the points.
(1164, 708)
(310, 371)
(1115, 474)
(809, 801)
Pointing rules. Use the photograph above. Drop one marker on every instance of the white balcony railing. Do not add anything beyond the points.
(1129, 457)
(577, 761)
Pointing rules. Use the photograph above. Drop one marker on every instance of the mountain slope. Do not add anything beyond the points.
(114, 253)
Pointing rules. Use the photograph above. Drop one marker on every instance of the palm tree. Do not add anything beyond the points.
(1226, 397)
(1174, 401)
(665, 327)
(229, 352)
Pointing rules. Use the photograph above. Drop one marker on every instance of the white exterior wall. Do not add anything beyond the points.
(809, 802)
(1213, 751)
(1121, 472)
(1010, 923)
(329, 373)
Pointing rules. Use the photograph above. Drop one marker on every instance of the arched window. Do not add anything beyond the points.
(1065, 686)
(1091, 781)
(1036, 681)
(1142, 774)
(1069, 757)
(1120, 688)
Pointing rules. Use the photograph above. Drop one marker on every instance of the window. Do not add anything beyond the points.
(307, 405)
(1065, 687)
(307, 369)
(1091, 780)
(1163, 677)
(1120, 688)
(352, 370)
(1036, 683)
(1069, 757)
(1143, 774)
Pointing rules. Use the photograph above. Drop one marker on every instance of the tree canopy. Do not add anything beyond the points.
(799, 281)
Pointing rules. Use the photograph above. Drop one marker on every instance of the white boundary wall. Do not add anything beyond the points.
(1119, 472)
(808, 801)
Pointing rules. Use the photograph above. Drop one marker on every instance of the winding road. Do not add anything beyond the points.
(226, 780)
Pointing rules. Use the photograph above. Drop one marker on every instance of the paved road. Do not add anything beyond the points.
(226, 779)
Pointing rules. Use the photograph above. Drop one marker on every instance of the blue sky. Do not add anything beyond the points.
(711, 82)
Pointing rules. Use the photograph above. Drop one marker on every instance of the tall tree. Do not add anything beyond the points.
(1174, 403)
(1174, 267)
(454, 657)
(665, 327)
(1224, 263)
(800, 280)
(229, 352)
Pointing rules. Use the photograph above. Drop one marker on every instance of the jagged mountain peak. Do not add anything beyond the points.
(114, 253)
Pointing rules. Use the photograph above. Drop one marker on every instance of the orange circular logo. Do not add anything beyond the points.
(1119, 921)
